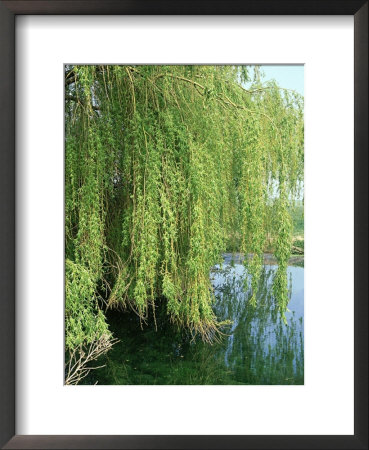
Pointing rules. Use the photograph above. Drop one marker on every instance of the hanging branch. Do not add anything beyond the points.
(182, 163)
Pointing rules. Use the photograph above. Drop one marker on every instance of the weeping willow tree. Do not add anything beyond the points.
(166, 168)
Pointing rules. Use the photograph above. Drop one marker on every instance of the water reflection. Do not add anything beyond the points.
(258, 348)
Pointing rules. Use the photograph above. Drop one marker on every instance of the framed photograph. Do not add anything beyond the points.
(184, 224)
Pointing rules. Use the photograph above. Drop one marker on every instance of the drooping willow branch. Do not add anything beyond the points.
(170, 173)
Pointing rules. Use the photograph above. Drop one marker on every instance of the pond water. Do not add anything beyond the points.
(258, 348)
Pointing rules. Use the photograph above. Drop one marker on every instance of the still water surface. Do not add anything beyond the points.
(258, 348)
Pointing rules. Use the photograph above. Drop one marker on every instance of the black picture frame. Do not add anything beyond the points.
(8, 11)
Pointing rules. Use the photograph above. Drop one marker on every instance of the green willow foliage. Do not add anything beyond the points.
(166, 168)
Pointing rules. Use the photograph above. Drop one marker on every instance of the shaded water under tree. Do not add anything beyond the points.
(257, 348)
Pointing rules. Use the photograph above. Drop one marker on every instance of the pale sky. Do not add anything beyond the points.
(286, 76)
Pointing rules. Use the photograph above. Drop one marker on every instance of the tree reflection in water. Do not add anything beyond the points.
(261, 348)
(258, 348)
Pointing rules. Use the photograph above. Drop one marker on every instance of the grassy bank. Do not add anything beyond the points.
(298, 230)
